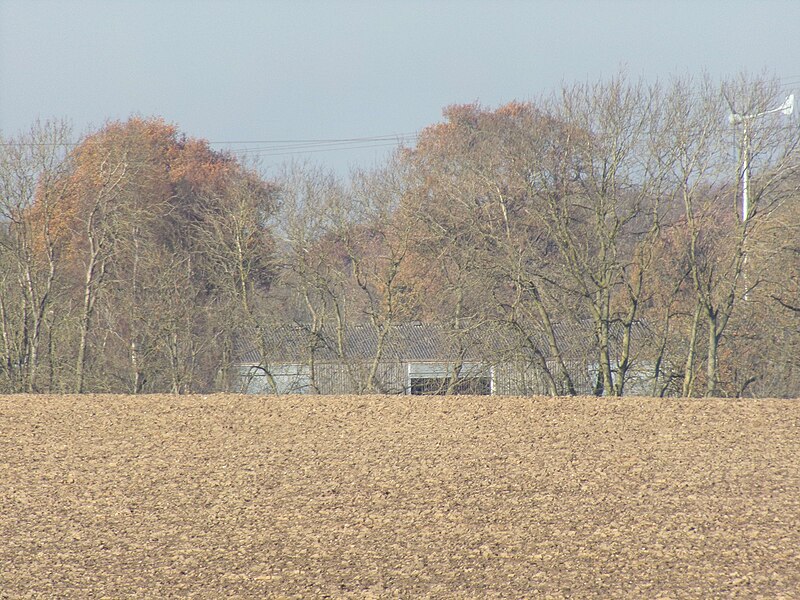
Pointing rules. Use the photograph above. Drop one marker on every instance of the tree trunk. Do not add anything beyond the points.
(688, 372)
(712, 361)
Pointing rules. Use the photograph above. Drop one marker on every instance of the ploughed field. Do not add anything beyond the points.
(471, 497)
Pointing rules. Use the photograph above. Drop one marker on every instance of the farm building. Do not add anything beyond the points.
(406, 358)
(409, 358)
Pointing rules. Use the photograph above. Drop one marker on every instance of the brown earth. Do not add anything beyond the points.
(231, 496)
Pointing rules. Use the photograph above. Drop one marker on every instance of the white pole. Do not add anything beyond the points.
(745, 175)
(745, 197)
(786, 108)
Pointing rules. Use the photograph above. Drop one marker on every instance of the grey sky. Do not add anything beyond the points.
(242, 70)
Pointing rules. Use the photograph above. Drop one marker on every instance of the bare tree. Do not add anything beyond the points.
(32, 189)
(719, 232)
(313, 269)
(485, 252)
(377, 245)
(599, 198)
(234, 238)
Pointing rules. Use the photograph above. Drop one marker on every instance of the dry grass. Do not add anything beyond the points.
(231, 496)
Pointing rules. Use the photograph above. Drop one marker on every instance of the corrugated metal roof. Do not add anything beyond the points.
(406, 342)
(420, 342)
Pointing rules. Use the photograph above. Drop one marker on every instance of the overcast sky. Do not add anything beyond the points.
(266, 72)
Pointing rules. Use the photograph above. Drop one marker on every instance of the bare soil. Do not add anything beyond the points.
(465, 497)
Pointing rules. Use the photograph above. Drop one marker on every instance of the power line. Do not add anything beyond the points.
(287, 147)
(321, 140)
(267, 152)
(278, 144)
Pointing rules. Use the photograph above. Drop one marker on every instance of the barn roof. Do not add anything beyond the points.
(408, 342)
(423, 342)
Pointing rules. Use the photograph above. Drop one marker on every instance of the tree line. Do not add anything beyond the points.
(141, 260)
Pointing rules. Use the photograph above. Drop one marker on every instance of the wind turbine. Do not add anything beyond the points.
(786, 108)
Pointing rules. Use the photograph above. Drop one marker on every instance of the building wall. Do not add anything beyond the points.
(338, 378)
(508, 379)
(322, 378)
